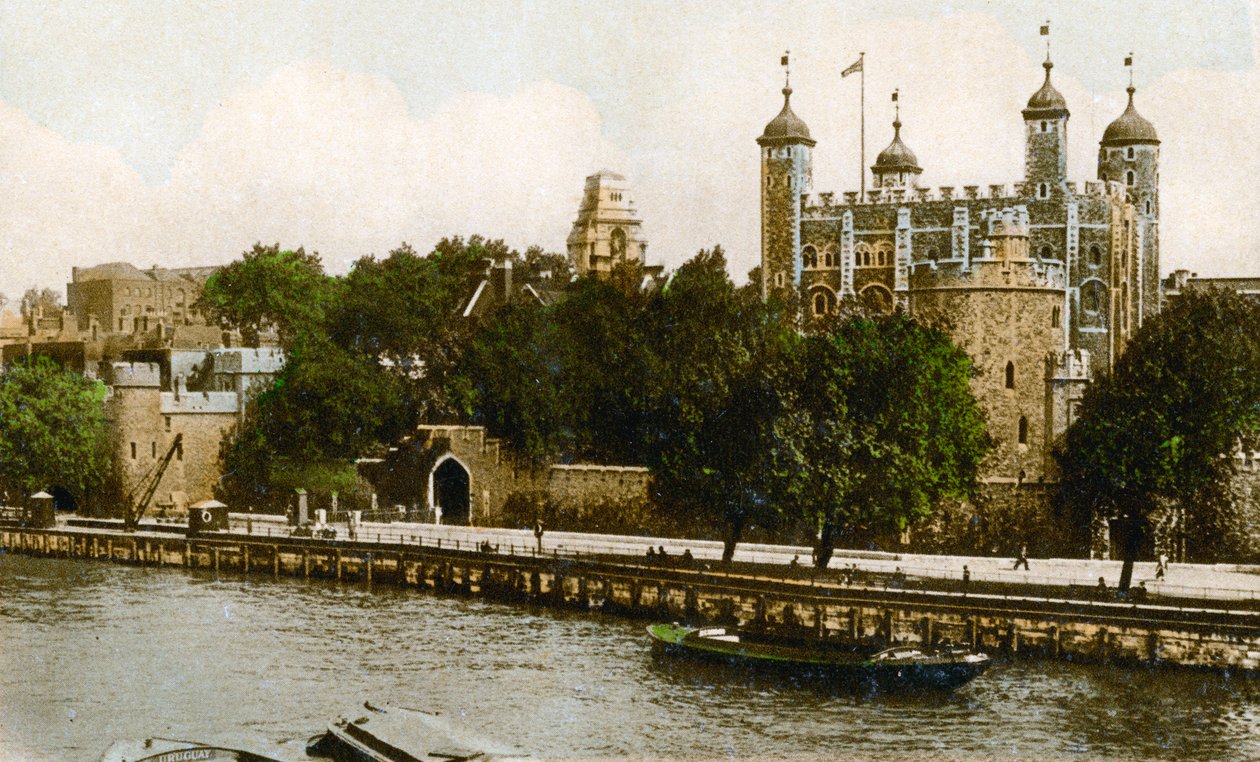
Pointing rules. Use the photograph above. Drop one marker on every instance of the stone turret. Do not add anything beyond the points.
(786, 168)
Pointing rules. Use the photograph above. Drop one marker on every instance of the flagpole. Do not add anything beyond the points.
(862, 166)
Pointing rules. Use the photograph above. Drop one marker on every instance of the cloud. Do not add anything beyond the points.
(313, 156)
(339, 161)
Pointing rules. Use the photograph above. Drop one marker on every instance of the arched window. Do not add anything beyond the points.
(824, 302)
(1128, 177)
(1148, 206)
(1055, 316)
(829, 256)
(933, 254)
(1130, 152)
(1023, 430)
(1010, 375)
(1043, 126)
(809, 255)
(1043, 191)
(877, 299)
(617, 246)
(1091, 298)
(779, 279)
(1045, 252)
(1095, 256)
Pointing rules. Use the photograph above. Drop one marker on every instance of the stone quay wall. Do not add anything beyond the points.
(792, 607)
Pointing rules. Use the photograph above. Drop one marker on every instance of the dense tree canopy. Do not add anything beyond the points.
(1182, 398)
(52, 430)
(269, 288)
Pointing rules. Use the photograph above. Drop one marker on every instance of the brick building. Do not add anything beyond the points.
(1042, 281)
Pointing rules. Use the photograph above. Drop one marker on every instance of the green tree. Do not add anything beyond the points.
(403, 310)
(717, 397)
(52, 430)
(917, 433)
(44, 299)
(269, 288)
(1159, 429)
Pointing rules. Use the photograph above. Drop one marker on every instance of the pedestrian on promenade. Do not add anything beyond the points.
(651, 555)
(538, 533)
(1161, 566)
(1022, 558)
(688, 560)
(966, 577)
(1102, 586)
(796, 561)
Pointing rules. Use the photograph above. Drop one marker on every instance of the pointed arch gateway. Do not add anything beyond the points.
(450, 491)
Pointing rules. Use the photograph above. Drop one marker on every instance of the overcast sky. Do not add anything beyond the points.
(180, 133)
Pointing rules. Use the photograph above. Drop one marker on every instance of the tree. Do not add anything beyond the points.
(269, 289)
(403, 310)
(1159, 429)
(717, 399)
(36, 299)
(52, 430)
(915, 435)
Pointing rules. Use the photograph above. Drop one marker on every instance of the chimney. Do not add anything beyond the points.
(501, 280)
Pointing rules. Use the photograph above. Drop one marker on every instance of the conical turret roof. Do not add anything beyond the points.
(1130, 128)
(786, 128)
(1046, 102)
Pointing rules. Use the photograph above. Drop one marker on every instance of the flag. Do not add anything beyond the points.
(1045, 29)
(894, 96)
(854, 69)
(1128, 60)
(783, 61)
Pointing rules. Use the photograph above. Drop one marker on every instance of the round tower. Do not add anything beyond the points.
(1045, 130)
(1129, 153)
(785, 177)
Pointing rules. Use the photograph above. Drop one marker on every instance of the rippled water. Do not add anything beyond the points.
(93, 652)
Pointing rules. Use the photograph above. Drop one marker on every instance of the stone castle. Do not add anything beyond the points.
(1042, 282)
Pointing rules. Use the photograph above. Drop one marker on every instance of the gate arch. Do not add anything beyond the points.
(450, 491)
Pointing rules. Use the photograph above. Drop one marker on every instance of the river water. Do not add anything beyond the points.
(93, 652)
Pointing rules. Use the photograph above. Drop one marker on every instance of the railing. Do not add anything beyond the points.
(857, 569)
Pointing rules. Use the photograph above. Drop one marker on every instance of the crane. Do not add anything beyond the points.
(133, 507)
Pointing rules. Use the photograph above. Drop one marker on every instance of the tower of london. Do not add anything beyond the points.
(1042, 281)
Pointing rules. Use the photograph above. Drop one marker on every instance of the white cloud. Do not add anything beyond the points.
(336, 161)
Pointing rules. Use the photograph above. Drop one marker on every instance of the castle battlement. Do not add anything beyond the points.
(1072, 365)
(134, 374)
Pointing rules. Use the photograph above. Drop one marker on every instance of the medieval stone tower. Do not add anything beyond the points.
(1041, 282)
(786, 170)
(608, 230)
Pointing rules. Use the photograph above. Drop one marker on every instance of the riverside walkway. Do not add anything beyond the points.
(1203, 582)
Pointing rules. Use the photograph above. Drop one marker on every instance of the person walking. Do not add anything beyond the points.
(538, 533)
(1022, 559)
(966, 576)
(1161, 566)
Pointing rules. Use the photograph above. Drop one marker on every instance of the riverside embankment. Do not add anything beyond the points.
(786, 601)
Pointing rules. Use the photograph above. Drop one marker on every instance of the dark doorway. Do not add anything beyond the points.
(450, 492)
(62, 499)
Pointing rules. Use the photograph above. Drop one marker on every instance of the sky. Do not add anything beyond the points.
(179, 134)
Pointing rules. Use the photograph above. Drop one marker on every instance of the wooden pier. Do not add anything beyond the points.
(797, 607)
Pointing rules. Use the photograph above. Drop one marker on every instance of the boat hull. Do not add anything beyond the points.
(943, 671)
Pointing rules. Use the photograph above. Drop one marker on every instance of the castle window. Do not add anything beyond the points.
(1095, 256)
(168, 423)
(179, 451)
(133, 450)
(824, 302)
(1128, 177)
(1023, 431)
(829, 257)
(1045, 252)
(1043, 126)
(779, 280)
(809, 255)
(1148, 206)
(933, 254)
(1055, 317)
(1130, 152)
(1090, 300)
(153, 448)
(1010, 375)
(1043, 191)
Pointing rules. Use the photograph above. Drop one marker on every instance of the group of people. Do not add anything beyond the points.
(659, 557)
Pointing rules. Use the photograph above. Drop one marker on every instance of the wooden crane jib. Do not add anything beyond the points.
(136, 506)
